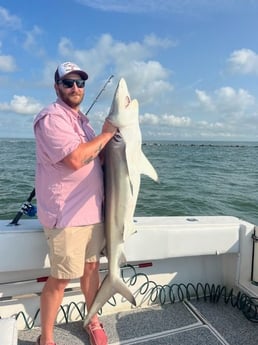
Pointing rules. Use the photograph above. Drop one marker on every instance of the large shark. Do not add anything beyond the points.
(124, 164)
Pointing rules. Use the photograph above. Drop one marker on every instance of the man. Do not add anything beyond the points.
(69, 190)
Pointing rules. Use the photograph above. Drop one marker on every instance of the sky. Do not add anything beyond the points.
(191, 64)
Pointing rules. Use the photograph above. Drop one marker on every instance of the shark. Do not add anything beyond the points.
(124, 162)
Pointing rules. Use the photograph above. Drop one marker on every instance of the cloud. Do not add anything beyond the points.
(244, 61)
(166, 6)
(205, 99)
(21, 105)
(134, 6)
(31, 42)
(9, 21)
(134, 61)
(227, 113)
(154, 41)
(29, 39)
(165, 120)
(110, 51)
(146, 77)
(226, 100)
(230, 99)
(149, 80)
(7, 63)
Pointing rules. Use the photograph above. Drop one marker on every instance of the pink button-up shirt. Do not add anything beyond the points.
(65, 197)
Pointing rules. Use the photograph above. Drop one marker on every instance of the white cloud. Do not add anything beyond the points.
(7, 63)
(204, 99)
(21, 105)
(230, 99)
(226, 100)
(134, 6)
(154, 41)
(175, 6)
(31, 42)
(146, 77)
(150, 82)
(147, 80)
(165, 120)
(8, 20)
(29, 39)
(149, 119)
(65, 46)
(110, 51)
(144, 64)
(244, 61)
(176, 121)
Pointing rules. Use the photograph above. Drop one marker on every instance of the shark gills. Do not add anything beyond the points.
(124, 164)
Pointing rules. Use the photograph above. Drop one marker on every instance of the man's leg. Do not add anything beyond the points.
(89, 286)
(50, 300)
(90, 283)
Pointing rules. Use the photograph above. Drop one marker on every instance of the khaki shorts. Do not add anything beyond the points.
(70, 248)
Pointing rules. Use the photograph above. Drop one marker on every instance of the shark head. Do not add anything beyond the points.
(123, 111)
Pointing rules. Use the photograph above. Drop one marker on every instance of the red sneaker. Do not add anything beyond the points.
(96, 333)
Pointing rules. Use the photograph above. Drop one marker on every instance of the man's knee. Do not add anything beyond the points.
(91, 267)
(56, 284)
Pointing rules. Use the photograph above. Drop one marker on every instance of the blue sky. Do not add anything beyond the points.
(192, 64)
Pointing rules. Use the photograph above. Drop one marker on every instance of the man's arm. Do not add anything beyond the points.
(86, 152)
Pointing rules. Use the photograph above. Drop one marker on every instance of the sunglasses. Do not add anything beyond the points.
(68, 83)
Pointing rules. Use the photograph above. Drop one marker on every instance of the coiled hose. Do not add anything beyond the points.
(162, 294)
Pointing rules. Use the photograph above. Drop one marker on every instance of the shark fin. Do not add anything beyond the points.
(147, 169)
(123, 290)
(108, 288)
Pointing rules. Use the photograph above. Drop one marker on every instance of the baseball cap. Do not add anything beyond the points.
(68, 67)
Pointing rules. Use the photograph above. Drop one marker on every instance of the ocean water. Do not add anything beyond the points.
(196, 179)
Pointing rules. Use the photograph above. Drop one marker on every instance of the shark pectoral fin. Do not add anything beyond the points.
(129, 229)
(147, 169)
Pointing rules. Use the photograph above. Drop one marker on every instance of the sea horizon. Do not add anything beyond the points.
(165, 140)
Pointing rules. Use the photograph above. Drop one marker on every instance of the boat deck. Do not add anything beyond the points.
(182, 323)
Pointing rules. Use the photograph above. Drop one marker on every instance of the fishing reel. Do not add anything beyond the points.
(28, 209)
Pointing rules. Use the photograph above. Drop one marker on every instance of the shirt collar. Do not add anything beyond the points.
(79, 114)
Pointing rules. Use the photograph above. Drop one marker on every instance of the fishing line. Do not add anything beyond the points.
(100, 92)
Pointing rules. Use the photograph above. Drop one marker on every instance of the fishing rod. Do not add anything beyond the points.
(27, 208)
(98, 95)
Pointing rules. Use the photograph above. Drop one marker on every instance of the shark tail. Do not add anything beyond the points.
(108, 288)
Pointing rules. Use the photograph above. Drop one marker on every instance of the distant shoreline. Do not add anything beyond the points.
(232, 143)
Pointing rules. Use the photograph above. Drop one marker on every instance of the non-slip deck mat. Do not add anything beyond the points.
(169, 324)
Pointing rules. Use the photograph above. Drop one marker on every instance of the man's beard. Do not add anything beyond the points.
(69, 100)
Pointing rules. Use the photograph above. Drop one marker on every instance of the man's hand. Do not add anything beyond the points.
(108, 128)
